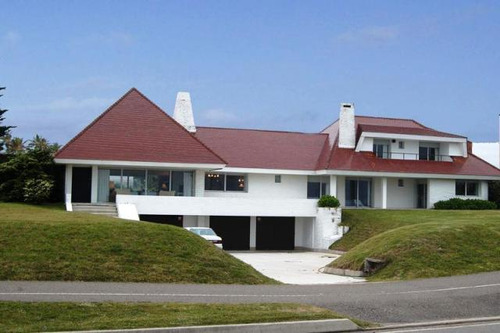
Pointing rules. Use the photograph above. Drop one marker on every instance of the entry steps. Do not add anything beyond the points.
(107, 209)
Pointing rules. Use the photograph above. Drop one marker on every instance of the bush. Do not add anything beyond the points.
(328, 201)
(37, 190)
(470, 204)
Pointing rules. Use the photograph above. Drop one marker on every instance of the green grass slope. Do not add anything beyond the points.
(420, 244)
(40, 243)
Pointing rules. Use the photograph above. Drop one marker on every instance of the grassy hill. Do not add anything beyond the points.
(47, 243)
(419, 244)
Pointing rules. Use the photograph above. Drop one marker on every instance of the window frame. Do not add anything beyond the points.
(465, 184)
(224, 181)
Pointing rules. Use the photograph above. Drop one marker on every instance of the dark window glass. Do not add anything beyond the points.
(460, 188)
(401, 182)
(313, 190)
(277, 179)
(422, 153)
(471, 188)
(432, 154)
(214, 182)
(235, 183)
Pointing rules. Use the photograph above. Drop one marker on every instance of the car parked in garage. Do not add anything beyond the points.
(208, 234)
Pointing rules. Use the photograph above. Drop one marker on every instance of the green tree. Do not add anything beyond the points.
(4, 130)
(28, 175)
(14, 145)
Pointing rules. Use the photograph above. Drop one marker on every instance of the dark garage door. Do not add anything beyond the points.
(234, 230)
(275, 233)
(81, 184)
(163, 219)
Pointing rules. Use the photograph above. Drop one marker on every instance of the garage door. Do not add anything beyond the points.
(275, 233)
(234, 230)
(163, 219)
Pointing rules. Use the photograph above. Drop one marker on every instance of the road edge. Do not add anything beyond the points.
(327, 325)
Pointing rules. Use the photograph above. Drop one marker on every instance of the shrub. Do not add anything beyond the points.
(471, 204)
(328, 201)
(37, 190)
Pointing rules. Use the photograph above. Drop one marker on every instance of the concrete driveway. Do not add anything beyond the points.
(294, 267)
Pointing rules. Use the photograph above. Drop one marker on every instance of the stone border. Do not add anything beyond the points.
(343, 272)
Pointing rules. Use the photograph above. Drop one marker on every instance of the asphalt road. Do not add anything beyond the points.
(413, 301)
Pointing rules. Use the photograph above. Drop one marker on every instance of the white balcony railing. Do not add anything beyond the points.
(209, 206)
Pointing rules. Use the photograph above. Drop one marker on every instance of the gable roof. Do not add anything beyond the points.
(248, 148)
(349, 160)
(136, 129)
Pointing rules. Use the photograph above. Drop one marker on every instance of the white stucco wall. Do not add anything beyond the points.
(341, 190)
(444, 189)
(401, 197)
(263, 186)
(377, 192)
(366, 145)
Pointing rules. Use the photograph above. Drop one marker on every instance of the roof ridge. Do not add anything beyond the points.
(133, 89)
(258, 130)
(391, 118)
(86, 128)
(182, 127)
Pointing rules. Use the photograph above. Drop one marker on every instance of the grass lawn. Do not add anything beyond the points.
(47, 243)
(421, 243)
(35, 317)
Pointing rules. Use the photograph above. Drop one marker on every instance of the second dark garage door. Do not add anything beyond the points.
(275, 233)
(234, 230)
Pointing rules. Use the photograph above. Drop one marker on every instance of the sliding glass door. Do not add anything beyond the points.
(358, 192)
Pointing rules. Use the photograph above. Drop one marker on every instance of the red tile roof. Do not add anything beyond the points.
(247, 148)
(405, 130)
(349, 160)
(135, 129)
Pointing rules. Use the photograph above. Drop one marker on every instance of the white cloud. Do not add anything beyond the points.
(218, 117)
(69, 104)
(372, 35)
(11, 37)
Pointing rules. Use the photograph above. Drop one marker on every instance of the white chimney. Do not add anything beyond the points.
(347, 130)
(183, 111)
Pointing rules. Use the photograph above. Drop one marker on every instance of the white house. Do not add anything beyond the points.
(257, 188)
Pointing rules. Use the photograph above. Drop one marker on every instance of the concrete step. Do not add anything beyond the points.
(99, 209)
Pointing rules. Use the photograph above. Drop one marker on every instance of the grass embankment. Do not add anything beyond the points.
(37, 317)
(44, 243)
(421, 244)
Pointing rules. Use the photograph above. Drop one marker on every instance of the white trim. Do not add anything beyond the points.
(270, 171)
(408, 175)
(140, 164)
(412, 137)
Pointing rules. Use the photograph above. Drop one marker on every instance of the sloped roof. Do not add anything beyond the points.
(135, 129)
(405, 130)
(247, 148)
(349, 160)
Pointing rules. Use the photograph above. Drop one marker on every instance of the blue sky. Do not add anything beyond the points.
(284, 65)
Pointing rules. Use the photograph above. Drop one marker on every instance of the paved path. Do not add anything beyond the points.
(393, 302)
(294, 267)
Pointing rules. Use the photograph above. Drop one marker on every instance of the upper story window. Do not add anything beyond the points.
(317, 186)
(466, 187)
(381, 149)
(428, 153)
(224, 182)
(401, 145)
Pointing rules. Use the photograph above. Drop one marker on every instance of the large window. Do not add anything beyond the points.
(381, 149)
(317, 186)
(358, 192)
(428, 153)
(225, 182)
(466, 187)
(143, 182)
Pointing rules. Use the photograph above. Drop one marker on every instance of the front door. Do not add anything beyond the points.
(81, 184)
(421, 195)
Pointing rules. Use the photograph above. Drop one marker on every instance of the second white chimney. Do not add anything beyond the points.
(347, 130)
(183, 111)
